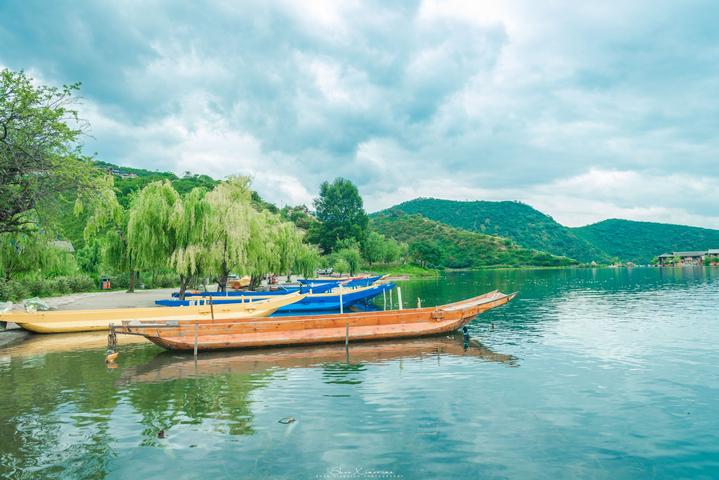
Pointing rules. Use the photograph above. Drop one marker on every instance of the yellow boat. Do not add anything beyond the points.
(68, 321)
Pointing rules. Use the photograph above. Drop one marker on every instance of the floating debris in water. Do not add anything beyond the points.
(287, 420)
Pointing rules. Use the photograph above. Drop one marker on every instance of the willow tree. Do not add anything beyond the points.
(190, 223)
(151, 236)
(30, 252)
(263, 255)
(229, 224)
(108, 224)
(307, 260)
(288, 241)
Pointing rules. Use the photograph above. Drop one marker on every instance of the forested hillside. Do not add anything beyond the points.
(640, 242)
(520, 222)
(434, 244)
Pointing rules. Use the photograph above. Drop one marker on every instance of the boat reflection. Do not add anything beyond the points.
(39, 344)
(168, 365)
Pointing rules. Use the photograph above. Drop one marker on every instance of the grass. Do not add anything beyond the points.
(411, 270)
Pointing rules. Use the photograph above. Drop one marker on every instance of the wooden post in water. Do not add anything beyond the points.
(212, 309)
(399, 298)
(384, 298)
(197, 328)
(347, 322)
(390, 300)
(419, 303)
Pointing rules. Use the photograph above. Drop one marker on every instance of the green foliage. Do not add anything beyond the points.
(132, 180)
(639, 242)
(353, 258)
(516, 221)
(341, 265)
(341, 215)
(151, 236)
(300, 216)
(28, 253)
(434, 244)
(426, 253)
(307, 261)
(392, 251)
(374, 248)
(37, 286)
(189, 223)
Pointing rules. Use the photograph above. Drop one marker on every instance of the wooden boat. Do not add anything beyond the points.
(313, 302)
(67, 321)
(283, 331)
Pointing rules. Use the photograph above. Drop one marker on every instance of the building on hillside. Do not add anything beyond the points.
(121, 174)
(687, 258)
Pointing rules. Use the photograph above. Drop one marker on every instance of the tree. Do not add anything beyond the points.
(39, 152)
(392, 251)
(289, 246)
(307, 261)
(229, 227)
(25, 253)
(151, 233)
(190, 222)
(108, 224)
(341, 266)
(341, 214)
(426, 253)
(374, 248)
(352, 257)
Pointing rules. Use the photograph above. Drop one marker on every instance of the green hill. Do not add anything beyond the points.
(456, 248)
(518, 221)
(640, 242)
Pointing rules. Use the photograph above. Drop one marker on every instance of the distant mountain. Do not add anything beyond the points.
(640, 242)
(517, 221)
(457, 248)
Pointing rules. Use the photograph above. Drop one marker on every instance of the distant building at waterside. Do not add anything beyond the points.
(699, 257)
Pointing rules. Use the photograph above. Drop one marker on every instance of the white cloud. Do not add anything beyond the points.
(580, 110)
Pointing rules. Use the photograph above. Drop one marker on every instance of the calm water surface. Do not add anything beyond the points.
(587, 374)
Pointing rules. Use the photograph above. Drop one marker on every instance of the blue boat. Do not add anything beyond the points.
(322, 288)
(355, 282)
(314, 302)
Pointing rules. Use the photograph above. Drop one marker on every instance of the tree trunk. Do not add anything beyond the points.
(183, 286)
(131, 289)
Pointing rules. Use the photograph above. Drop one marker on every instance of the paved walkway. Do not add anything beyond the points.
(120, 299)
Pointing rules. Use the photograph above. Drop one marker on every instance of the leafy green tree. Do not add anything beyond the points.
(307, 261)
(341, 265)
(374, 248)
(33, 253)
(151, 236)
(40, 155)
(392, 251)
(341, 215)
(300, 216)
(190, 222)
(353, 258)
(108, 226)
(229, 227)
(425, 253)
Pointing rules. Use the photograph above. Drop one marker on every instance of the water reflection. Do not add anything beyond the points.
(339, 365)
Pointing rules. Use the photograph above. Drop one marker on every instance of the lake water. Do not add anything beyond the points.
(607, 373)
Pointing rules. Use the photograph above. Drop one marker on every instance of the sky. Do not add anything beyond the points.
(584, 110)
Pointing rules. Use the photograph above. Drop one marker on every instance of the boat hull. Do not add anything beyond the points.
(320, 329)
(71, 321)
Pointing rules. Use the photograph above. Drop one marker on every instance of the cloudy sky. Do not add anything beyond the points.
(608, 109)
